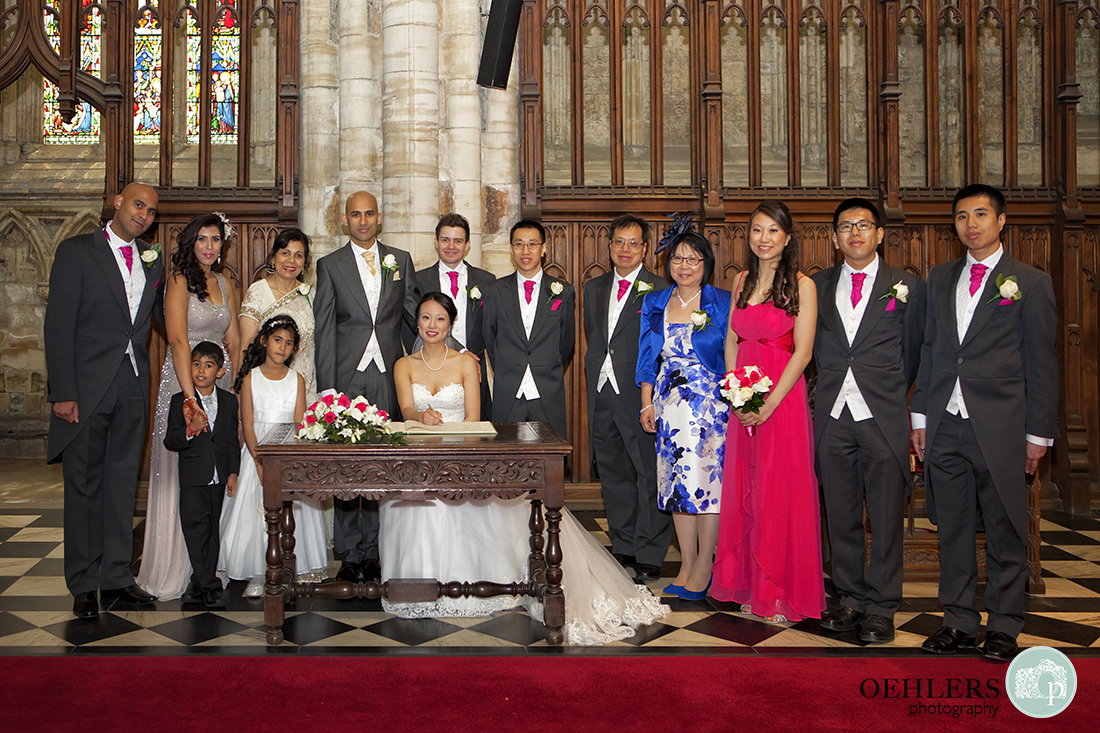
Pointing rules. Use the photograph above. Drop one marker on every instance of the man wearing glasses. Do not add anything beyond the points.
(870, 327)
(624, 456)
(529, 335)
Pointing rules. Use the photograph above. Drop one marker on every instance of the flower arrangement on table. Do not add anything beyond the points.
(336, 418)
(745, 388)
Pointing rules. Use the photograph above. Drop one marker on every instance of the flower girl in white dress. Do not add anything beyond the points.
(489, 539)
(271, 394)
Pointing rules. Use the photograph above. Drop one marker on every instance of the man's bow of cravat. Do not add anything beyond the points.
(454, 283)
(857, 287)
(624, 285)
(977, 272)
(128, 255)
(528, 289)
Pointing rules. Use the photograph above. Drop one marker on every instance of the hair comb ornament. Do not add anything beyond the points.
(225, 224)
(681, 225)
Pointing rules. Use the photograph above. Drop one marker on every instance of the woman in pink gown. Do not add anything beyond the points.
(769, 537)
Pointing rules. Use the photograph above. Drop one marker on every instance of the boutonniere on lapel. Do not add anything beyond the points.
(474, 293)
(1008, 289)
(898, 293)
(149, 256)
(389, 263)
(555, 290)
(699, 320)
(641, 287)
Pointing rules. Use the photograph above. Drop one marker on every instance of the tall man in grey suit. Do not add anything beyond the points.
(366, 294)
(529, 334)
(984, 413)
(466, 285)
(104, 294)
(623, 453)
(870, 326)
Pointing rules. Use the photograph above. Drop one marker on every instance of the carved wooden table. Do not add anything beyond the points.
(521, 459)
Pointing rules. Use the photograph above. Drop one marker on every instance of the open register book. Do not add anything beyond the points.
(413, 427)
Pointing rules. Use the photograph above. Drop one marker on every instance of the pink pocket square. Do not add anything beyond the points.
(1005, 301)
(556, 305)
(891, 305)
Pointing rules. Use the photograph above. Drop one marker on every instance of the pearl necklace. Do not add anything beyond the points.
(429, 365)
(684, 303)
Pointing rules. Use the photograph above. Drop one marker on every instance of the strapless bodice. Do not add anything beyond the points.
(449, 401)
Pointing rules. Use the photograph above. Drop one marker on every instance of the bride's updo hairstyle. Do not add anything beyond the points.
(443, 300)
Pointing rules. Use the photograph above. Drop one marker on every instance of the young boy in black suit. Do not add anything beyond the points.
(208, 463)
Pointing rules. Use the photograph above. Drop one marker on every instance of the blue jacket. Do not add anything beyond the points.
(709, 342)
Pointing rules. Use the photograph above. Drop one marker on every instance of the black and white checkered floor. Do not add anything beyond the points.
(36, 611)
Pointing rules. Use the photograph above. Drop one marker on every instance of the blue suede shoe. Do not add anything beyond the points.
(695, 595)
(673, 589)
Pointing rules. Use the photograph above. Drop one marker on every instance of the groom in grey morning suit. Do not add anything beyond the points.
(366, 294)
(624, 455)
(103, 299)
(870, 326)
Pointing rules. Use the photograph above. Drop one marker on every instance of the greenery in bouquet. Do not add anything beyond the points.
(336, 418)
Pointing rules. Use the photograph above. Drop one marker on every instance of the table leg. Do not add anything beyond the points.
(290, 562)
(274, 594)
(536, 562)
(554, 600)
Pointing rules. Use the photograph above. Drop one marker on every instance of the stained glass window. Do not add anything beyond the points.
(84, 127)
(224, 79)
(147, 76)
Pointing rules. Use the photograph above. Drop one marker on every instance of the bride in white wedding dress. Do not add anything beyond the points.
(488, 539)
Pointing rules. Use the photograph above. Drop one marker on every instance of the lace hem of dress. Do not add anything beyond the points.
(452, 607)
(610, 620)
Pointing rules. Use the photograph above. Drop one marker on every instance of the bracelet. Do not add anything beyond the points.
(647, 407)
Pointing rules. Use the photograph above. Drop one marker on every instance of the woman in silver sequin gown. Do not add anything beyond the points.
(191, 316)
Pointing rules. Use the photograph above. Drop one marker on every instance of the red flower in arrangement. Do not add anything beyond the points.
(310, 419)
(328, 399)
(383, 414)
(361, 406)
(343, 401)
(330, 417)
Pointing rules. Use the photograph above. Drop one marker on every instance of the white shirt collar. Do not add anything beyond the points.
(537, 279)
(871, 270)
(990, 261)
(444, 269)
(113, 239)
(630, 276)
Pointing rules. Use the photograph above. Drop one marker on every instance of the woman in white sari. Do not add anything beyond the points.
(282, 292)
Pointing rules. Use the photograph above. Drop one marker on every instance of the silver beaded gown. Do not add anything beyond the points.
(165, 567)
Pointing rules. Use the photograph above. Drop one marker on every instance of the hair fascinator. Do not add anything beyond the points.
(681, 225)
(225, 224)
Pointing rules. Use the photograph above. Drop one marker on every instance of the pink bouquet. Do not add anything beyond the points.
(336, 418)
(745, 388)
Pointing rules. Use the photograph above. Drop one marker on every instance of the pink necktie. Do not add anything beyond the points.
(528, 288)
(624, 285)
(454, 283)
(977, 272)
(128, 255)
(857, 287)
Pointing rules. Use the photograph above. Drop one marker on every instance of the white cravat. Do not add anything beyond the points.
(527, 388)
(458, 332)
(614, 310)
(372, 287)
(210, 407)
(133, 280)
(851, 318)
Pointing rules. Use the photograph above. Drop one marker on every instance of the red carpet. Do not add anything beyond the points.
(590, 694)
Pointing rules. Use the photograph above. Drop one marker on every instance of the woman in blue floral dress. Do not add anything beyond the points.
(680, 362)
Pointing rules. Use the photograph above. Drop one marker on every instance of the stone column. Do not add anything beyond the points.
(410, 125)
(319, 154)
(360, 103)
(460, 113)
(500, 172)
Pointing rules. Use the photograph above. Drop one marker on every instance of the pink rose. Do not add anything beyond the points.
(343, 401)
(310, 419)
(328, 400)
(383, 414)
(330, 417)
(361, 406)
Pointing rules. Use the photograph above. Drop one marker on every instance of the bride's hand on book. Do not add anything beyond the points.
(431, 417)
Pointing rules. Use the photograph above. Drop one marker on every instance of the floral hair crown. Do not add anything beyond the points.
(280, 321)
(225, 224)
(681, 225)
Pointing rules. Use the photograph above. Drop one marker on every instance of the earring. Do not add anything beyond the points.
(269, 268)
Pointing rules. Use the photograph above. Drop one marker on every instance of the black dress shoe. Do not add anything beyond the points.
(193, 594)
(86, 605)
(371, 570)
(646, 573)
(349, 572)
(842, 619)
(627, 561)
(999, 646)
(213, 599)
(130, 594)
(947, 640)
(877, 629)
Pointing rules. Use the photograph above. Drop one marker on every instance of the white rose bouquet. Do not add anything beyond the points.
(745, 388)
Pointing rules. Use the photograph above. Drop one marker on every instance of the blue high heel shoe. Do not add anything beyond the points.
(695, 595)
(673, 589)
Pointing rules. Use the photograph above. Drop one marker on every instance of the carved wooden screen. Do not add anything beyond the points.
(658, 106)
